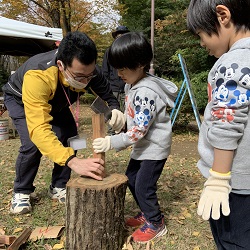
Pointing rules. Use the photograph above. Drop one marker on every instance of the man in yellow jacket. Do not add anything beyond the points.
(38, 96)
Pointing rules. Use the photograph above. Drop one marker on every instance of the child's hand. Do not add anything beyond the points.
(102, 144)
(215, 196)
(117, 120)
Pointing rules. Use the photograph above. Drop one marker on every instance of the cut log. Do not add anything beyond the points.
(98, 124)
(7, 239)
(20, 240)
(95, 213)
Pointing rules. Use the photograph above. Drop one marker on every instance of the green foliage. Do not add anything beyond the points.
(137, 16)
(171, 36)
(199, 86)
(87, 98)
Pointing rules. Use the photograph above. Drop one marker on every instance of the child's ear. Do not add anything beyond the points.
(223, 14)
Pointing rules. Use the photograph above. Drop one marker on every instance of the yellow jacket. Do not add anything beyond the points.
(40, 91)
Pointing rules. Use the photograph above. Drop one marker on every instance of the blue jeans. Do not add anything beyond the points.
(142, 182)
(29, 157)
(233, 232)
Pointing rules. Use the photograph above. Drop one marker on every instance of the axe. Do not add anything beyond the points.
(99, 106)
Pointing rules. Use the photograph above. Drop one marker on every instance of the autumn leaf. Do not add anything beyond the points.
(17, 230)
(127, 245)
(196, 234)
(196, 248)
(2, 232)
(58, 246)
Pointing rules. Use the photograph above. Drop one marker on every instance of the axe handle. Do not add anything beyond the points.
(98, 124)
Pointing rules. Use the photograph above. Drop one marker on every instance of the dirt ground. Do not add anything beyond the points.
(185, 148)
(180, 145)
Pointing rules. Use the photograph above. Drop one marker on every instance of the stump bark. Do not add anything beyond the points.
(95, 209)
(95, 213)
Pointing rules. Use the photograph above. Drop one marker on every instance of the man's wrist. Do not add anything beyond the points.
(68, 160)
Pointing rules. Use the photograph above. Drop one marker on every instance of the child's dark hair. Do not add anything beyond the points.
(131, 51)
(77, 45)
(202, 15)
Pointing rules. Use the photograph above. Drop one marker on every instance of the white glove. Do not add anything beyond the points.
(102, 144)
(117, 120)
(215, 196)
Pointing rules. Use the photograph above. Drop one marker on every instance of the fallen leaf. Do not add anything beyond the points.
(10, 191)
(2, 232)
(181, 217)
(193, 205)
(58, 246)
(196, 248)
(62, 240)
(209, 237)
(196, 233)
(127, 245)
(180, 222)
(17, 230)
(148, 245)
(187, 215)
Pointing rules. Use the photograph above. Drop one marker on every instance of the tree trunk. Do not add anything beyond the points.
(95, 213)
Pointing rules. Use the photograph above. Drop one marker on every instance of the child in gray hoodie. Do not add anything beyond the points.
(224, 30)
(148, 130)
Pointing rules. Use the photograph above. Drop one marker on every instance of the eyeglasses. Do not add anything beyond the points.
(81, 78)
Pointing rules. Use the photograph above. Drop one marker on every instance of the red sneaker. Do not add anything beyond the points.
(136, 221)
(149, 232)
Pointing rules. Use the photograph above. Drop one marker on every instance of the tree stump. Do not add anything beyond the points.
(95, 209)
(95, 213)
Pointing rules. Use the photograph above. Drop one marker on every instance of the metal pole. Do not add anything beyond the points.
(151, 70)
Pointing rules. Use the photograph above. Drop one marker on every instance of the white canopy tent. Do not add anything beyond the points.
(25, 39)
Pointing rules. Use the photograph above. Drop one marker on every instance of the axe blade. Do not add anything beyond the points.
(99, 106)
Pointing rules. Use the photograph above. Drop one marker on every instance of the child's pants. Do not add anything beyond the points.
(233, 232)
(142, 182)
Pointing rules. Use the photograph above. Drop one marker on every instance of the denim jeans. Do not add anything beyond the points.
(142, 182)
(29, 156)
(233, 232)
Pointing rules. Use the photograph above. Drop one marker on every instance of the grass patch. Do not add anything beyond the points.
(179, 188)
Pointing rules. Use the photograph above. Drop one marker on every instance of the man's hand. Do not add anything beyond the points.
(117, 120)
(92, 167)
(102, 144)
(215, 196)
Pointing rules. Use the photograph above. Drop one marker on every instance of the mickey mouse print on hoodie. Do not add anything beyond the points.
(147, 118)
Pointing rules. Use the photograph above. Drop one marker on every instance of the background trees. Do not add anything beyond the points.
(172, 38)
(98, 17)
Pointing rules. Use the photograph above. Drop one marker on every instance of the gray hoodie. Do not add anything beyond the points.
(148, 123)
(226, 122)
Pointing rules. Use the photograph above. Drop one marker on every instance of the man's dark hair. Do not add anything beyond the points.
(130, 50)
(77, 45)
(202, 15)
